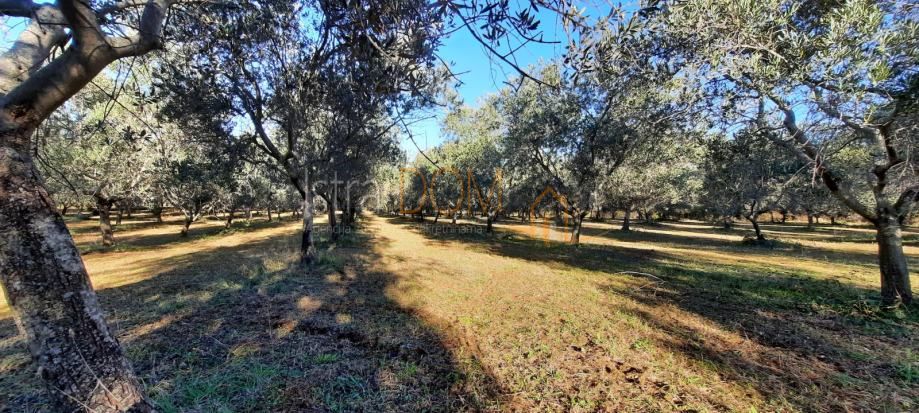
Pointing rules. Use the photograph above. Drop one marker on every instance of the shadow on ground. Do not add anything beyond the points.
(804, 342)
(247, 329)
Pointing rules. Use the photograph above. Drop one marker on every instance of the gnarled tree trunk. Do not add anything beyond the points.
(45, 281)
(576, 229)
(307, 247)
(185, 225)
(895, 284)
(627, 218)
(49, 290)
(104, 205)
(756, 229)
(230, 216)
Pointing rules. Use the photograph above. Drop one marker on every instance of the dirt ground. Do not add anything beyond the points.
(408, 316)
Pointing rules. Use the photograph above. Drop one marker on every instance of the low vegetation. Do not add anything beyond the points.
(677, 316)
(619, 226)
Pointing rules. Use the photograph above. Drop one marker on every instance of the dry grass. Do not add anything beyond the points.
(398, 317)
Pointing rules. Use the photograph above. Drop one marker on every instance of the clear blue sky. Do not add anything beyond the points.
(482, 74)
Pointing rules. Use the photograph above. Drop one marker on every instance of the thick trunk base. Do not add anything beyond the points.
(55, 307)
(895, 283)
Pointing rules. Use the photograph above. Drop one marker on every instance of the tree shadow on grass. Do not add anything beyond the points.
(696, 239)
(201, 230)
(802, 341)
(246, 328)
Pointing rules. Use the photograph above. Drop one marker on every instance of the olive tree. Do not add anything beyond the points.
(745, 177)
(473, 158)
(846, 67)
(64, 46)
(92, 147)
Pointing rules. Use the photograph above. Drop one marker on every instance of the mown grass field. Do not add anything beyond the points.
(403, 316)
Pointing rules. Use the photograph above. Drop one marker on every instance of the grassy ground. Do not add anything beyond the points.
(405, 316)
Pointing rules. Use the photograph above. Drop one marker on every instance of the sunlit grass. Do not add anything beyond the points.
(670, 317)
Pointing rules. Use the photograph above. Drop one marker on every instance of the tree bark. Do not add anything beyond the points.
(307, 247)
(895, 283)
(627, 218)
(347, 214)
(105, 221)
(576, 229)
(230, 214)
(269, 213)
(55, 307)
(333, 222)
(185, 225)
(157, 211)
(41, 271)
(756, 228)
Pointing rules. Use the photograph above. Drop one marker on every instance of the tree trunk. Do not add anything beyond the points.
(185, 225)
(333, 223)
(53, 302)
(784, 216)
(576, 229)
(756, 229)
(307, 248)
(119, 215)
(269, 213)
(64, 209)
(157, 211)
(345, 215)
(895, 285)
(230, 214)
(810, 220)
(489, 219)
(627, 218)
(105, 221)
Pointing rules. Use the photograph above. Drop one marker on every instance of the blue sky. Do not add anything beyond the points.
(481, 74)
